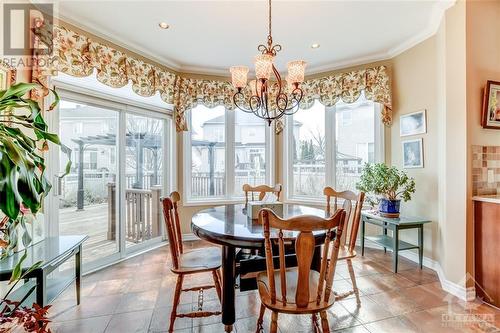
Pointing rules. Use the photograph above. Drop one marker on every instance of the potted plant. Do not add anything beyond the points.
(24, 138)
(389, 185)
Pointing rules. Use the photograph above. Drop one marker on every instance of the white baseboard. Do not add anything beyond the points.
(465, 294)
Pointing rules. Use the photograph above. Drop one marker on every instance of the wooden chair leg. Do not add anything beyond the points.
(324, 322)
(217, 284)
(274, 322)
(315, 323)
(177, 297)
(353, 280)
(260, 321)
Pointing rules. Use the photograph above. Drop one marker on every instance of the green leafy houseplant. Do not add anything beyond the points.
(24, 138)
(387, 183)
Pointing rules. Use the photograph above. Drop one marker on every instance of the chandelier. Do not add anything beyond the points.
(271, 98)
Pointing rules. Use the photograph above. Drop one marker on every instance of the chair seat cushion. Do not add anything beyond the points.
(203, 259)
(291, 287)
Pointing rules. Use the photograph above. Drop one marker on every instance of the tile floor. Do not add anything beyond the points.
(136, 296)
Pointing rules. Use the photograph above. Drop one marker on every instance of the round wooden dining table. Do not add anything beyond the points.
(230, 227)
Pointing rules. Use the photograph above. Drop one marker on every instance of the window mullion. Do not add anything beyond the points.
(330, 146)
(230, 151)
(379, 135)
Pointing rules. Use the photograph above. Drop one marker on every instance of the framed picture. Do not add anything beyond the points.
(413, 156)
(491, 105)
(413, 123)
(7, 75)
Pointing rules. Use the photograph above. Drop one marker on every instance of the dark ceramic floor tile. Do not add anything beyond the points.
(367, 311)
(393, 325)
(130, 322)
(145, 300)
(89, 325)
(161, 319)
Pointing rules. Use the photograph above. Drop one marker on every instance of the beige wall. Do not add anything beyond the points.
(415, 88)
(454, 140)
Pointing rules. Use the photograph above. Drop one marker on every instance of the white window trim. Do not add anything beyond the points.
(330, 136)
(123, 106)
(229, 198)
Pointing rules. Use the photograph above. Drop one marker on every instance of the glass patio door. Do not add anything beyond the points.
(144, 180)
(87, 201)
(120, 156)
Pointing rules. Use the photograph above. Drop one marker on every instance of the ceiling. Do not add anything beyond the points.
(208, 37)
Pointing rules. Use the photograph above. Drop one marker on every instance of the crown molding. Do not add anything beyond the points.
(433, 25)
(115, 39)
(437, 14)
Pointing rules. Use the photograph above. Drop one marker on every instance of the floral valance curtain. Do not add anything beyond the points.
(79, 55)
(348, 87)
(328, 90)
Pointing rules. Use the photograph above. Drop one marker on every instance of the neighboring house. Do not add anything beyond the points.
(355, 131)
(250, 136)
(83, 121)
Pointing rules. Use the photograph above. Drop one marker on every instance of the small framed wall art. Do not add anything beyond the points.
(413, 123)
(491, 105)
(413, 155)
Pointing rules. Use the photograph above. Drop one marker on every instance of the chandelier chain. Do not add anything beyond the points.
(270, 21)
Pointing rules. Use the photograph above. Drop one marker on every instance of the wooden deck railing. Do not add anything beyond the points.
(142, 213)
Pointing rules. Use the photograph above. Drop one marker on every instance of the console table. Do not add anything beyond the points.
(52, 252)
(393, 243)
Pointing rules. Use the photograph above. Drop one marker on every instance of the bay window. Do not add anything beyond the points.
(224, 149)
(328, 146)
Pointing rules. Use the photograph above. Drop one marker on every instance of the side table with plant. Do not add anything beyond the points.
(24, 138)
(389, 185)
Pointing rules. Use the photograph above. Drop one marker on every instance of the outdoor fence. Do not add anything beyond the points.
(143, 213)
(202, 184)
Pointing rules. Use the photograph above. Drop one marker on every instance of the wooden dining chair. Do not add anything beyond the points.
(184, 263)
(262, 190)
(300, 289)
(352, 204)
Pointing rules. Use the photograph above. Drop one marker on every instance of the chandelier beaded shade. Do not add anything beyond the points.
(271, 97)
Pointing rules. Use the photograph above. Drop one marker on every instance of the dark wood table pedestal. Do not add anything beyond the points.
(228, 294)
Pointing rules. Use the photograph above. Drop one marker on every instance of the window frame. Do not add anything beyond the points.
(330, 163)
(229, 127)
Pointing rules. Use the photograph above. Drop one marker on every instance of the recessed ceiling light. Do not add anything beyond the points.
(315, 46)
(163, 25)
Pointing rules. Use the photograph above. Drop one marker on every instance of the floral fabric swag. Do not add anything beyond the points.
(78, 55)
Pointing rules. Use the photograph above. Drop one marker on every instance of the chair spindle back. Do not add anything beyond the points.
(352, 204)
(304, 247)
(170, 224)
(176, 197)
(262, 190)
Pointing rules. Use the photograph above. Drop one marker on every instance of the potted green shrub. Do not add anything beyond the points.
(389, 185)
(24, 138)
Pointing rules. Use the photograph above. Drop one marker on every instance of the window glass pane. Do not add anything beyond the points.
(250, 151)
(88, 193)
(143, 175)
(355, 134)
(308, 151)
(208, 152)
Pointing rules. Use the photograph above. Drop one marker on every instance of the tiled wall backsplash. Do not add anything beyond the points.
(485, 170)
